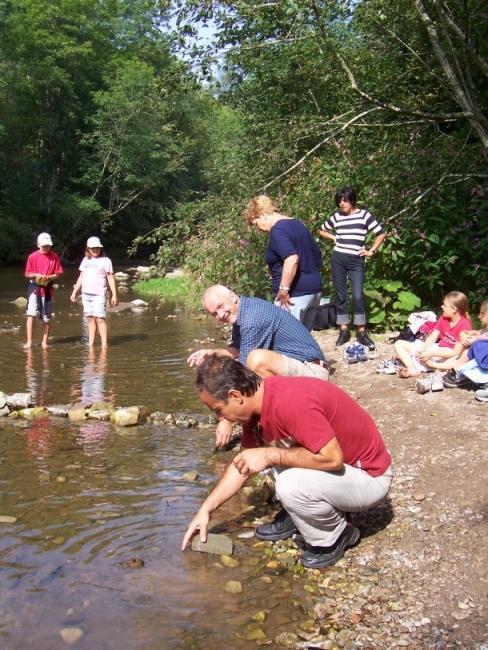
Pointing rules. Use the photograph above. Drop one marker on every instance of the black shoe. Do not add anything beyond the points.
(363, 338)
(343, 337)
(316, 557)
(282, 527)
(454, 380)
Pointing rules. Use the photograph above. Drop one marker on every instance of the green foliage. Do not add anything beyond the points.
(179, 289)
(389, 303)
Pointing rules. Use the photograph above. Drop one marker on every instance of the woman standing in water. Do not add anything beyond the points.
(293, 258)
(348, 228)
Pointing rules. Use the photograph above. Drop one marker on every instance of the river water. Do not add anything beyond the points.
(89, 497)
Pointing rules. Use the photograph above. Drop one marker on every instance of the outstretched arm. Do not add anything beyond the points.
(230, 483)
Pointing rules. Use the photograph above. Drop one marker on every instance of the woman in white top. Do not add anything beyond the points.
(96, 273)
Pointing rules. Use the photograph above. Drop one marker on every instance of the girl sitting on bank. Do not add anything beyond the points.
(443, 343)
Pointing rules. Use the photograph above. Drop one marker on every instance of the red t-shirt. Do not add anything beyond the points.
(449, 336)
(307, 412)
(43, 264)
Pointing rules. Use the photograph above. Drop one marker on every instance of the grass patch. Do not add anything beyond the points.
(170, 288)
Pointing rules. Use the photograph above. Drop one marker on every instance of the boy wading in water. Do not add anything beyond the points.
(42, 268)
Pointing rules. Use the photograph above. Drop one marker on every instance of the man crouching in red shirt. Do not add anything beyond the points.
(328, 455)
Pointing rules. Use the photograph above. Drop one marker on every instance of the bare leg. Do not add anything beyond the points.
(92, 329)
(29, 326)
(403, 350)
(103, 331)
(45, 335)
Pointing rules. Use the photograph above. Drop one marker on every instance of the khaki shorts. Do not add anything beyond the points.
(295, 368)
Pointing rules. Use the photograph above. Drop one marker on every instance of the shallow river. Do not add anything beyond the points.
(88, 497)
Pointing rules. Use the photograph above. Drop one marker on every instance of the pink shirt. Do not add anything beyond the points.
(449, 336)
(95, 271)
(43, 264)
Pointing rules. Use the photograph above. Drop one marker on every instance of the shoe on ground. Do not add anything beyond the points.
(482, 394)
(423, 385)
(360, 352)
(436, 383)
(344, 337)
(388, 367)
(282, 527)
(350, 354)
(363, 338)
(316, 557)
(453, 379)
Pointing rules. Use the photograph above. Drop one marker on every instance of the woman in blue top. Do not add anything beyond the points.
(347, 229)
(293, 258)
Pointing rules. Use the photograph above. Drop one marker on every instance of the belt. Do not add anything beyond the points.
(319, 362)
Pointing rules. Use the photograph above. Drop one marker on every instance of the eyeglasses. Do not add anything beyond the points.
(447, 306)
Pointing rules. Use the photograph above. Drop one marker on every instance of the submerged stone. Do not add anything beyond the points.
(7, 519)
(190, 476)
(216, 544)
(71, 635)
(233, 587)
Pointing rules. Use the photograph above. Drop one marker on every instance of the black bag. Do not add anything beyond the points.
(325, 317)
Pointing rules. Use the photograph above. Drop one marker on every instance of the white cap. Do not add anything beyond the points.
(44, 239)
(94, 242)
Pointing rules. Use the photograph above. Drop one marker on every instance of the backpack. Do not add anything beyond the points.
(325, 316)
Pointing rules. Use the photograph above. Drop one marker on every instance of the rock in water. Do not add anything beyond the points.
(71, 634)
(20, 301)
(77, 413)
(3, 400)
(20, 400)
(129, 416)
(216, 544)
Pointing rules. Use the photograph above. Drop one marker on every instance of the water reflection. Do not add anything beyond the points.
(37, 374)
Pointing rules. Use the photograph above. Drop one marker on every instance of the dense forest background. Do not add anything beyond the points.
(117, 119)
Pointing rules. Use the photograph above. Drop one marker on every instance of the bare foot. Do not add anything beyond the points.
(44, 346)
(27, 346)
(405, 373)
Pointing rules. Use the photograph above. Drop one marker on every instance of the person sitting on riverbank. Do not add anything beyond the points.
(43, 267)
(442, 344)
(463, 371)
(266, 338)
(328, 454)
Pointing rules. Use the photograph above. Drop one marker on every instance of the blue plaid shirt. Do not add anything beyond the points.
(261, 324)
